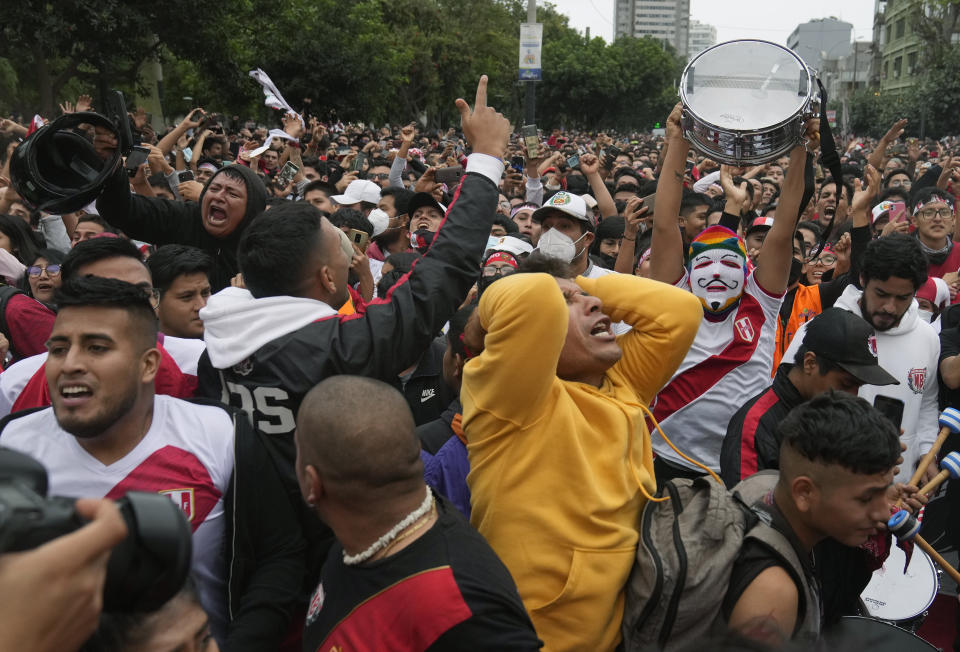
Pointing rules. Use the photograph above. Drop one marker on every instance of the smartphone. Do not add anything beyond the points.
(116, 112)
(573, 160)
(287, 173)
(517, 163)
(898, 212)
(359, 238)
(449, 175)
(892, 408)
(185, 175)
(610, 155)
(649, 202)
(357, 164)
(136, 158)
(531, 139)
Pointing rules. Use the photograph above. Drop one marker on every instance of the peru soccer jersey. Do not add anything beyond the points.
(728, 362)
(187, 454)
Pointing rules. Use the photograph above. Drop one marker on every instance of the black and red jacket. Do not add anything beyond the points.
(752, 443)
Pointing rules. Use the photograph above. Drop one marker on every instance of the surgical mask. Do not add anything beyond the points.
(555, 244)
(716, 278)
(552, 186)
(421, 239)
(925, 315)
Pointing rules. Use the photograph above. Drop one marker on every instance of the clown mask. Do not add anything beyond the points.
(716, 278)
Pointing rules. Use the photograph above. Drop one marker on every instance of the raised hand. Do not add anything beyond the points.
(589, 164)
(636, 217)
(194, 118)
(486, 130)
(291, 125)
(84, 103)
(863, 196)
(408, 132)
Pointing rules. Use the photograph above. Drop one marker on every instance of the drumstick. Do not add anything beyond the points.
(949, 422)
(951, 469)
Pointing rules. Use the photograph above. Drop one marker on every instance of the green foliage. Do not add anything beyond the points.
(371, 60)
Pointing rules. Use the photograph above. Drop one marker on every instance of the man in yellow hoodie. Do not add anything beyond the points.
(559, 451)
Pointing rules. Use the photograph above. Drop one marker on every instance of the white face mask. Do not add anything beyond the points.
(555, 244)
(925, 315)
(716, 278)
(552, 186)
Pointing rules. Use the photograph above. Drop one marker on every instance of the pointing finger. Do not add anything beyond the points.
(481, 94)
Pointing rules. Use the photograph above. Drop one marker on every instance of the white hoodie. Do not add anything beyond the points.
(910, 352)
(235, 325)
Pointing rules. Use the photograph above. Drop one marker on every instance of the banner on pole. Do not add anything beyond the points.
(531, 40)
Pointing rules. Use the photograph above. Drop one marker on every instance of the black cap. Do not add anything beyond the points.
(849, 342)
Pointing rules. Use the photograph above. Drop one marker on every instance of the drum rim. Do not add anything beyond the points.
(936, 587)
(798, 112)
(889, 624)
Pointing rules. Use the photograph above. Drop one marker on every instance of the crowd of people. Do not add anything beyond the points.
(428, 390)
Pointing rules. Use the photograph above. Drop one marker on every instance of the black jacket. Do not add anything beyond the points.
(426, 391)
(434, 434)
(265, 550)
(389, 337)
(163, 221)
(752, 443)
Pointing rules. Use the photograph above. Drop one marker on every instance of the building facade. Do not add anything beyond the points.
(702, 36)
(823, 38)
(664, 20)
(900, 47)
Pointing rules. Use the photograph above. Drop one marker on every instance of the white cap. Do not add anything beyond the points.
(589, 201)
(358, 191)
(565, 202)
(511, 245)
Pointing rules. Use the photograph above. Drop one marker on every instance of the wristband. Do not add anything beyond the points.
(630, 239)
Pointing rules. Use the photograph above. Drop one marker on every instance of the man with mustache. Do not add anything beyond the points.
(732, 353)
(894, 267)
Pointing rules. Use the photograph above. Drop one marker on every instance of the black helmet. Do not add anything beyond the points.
(57, 169)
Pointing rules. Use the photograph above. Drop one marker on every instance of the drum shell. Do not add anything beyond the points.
(759, 143)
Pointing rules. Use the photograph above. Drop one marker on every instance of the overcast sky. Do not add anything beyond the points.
(772, 20)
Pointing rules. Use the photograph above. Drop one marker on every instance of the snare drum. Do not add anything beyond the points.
(858, 633)
(896, 597)
(745, 102)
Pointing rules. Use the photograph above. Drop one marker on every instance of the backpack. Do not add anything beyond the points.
(687, 549)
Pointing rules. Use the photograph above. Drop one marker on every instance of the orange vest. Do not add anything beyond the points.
(806, 306)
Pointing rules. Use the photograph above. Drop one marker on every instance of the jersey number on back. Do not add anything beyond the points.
(267, 401)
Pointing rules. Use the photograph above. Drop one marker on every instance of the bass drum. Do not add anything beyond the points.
(745, 102)
(859, 633)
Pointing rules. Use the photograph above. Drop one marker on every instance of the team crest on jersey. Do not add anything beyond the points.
(745, 329)
(316, 604)
(182, 498)
(916, 378)
(872, 346)
(244, 367)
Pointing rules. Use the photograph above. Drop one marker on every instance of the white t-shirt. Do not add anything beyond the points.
(186, 454)
(728, 362)
(185, 352)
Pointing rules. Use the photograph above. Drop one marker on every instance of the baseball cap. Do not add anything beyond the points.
(849, 342)
(511, 245)
(358, 191)
(422, 199)
(565, 202)
(880, 209)
(759, 223)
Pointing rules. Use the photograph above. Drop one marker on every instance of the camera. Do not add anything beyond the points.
(144, 571)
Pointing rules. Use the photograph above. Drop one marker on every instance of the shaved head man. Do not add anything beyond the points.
(400, 549)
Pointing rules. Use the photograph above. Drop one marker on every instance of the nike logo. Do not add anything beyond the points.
(427, 395)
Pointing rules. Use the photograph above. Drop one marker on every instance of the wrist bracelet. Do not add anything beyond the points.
(630, 239)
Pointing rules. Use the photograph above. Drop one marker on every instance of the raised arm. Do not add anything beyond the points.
(878, 157)
(192, 121)
(590, 166)
(666, 247)
(773, 263)
(635, 216)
